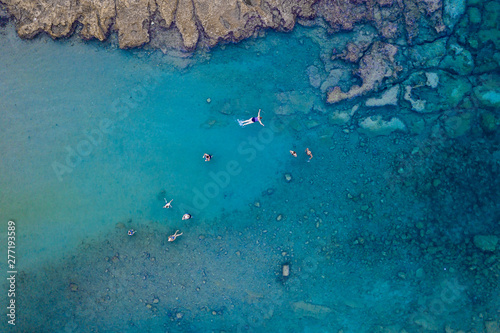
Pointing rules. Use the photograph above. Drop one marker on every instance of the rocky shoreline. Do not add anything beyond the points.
(425, 57)
(413, 50)
(207, 23)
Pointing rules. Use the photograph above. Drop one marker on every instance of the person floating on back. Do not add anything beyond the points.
(186, 217)
(167, 203)
(251, 120)
(171, 238)
(207, 157)
(308, 152)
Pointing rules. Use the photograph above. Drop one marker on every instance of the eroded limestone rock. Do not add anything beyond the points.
(389, 97)
(376, 66)
(231, 20)
(212, 21)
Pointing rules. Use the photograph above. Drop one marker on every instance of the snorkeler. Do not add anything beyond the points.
(171, 238)
(186, 217)
(251, 120)
(207, 157)
(294, 154)
(167, 203)
(308, 152)
(131, 232)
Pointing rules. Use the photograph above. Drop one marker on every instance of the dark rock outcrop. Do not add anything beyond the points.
(213, 21)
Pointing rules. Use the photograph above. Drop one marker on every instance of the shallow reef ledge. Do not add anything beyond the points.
(188, 24)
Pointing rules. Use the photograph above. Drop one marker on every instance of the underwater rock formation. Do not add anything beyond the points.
(375, 66)
(375, 126)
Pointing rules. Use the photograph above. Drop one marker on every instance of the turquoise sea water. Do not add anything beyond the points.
(378, 232)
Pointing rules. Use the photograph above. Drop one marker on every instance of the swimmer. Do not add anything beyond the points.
(207, 157)
(131, 232)
(308, 152)
(294, 154)
(171, 238)
(167, 203)
(251, 120)
(186, 217)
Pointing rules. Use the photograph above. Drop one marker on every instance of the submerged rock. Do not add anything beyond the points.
(432, 79)
(488, 93)
(342, 117)
(492, 327)
(426, 322)
(293, 101)
(474, 15)
(312, 310)
(288, 177)
(458, 60)
(489, 122)
(491, 14)
(417, 104)
(314, 76)
(453, 89)
(375, 125)
(435, 91)
(458, 125)
(376, 66)
(333, 79)
(429, 54)
(390, 97)
(486, 243)
(312, 124)
(453, 10)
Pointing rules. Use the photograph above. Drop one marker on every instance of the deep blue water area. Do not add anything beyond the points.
(385, 229)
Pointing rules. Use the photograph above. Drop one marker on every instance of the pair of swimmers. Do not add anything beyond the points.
(308, 152)
(168, 204)
(171, 238)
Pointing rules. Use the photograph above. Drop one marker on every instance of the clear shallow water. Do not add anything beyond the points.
(157, 125)
(363, 240)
